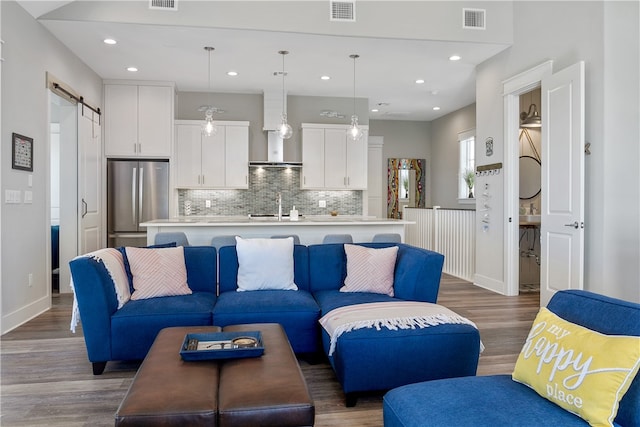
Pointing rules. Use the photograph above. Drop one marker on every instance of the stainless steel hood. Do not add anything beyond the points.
(275, 154)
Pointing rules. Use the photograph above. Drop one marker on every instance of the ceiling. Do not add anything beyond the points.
(385, 73)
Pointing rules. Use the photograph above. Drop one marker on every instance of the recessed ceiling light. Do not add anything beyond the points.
(419, 81)
(455, 58)
(132, 69)
(232, 73)
(436, 108)
(375, 110)
(325, 78)
(109, 41)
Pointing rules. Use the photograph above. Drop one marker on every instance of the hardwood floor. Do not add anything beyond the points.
(46, 379)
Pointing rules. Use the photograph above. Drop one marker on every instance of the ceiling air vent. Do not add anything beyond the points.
(474, 19)
(343, 11)
(163, 4)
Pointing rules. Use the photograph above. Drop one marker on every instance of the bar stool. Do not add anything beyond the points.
(178, 237)
(337, 238)
(387, 238)
(223, 240)
(296, 238)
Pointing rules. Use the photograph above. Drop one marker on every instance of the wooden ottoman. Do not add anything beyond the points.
(259, 391)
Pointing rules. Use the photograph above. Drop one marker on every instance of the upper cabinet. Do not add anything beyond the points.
(217, 161)
(331, 161)
(138, 120)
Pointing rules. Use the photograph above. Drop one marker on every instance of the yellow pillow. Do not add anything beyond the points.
(580, 370)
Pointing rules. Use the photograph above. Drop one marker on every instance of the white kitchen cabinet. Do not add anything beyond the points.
(330, 160)
(138, 120)
(312, 158)
(236, 156)
(217, 161)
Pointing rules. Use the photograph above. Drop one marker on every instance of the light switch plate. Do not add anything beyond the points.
(322, 203)
(207, 203)
(12, 196)
(28, 196)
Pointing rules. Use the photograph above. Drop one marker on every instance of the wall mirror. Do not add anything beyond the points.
(530, 177)
(405, 186)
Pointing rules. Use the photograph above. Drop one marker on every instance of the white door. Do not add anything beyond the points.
(562, 229)
(89, 180)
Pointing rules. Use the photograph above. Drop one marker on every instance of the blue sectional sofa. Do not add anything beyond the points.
(364, 359)
(485, 401)
(127, 333)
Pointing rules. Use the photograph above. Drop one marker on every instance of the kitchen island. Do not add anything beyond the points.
(310, 229)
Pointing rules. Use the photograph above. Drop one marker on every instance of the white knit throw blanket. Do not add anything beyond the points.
(392, 315)
(114, 264)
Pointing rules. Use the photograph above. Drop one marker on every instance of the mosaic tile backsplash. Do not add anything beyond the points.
(260, 198)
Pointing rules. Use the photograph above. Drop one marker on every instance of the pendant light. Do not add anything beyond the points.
(284, 130)
(355, 132)
(531, 119)
(209, 128)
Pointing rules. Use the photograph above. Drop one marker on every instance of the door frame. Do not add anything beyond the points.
(512, 89)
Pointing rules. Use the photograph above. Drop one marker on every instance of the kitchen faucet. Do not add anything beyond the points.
(279, 202)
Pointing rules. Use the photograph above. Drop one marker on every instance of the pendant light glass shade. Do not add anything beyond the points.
(284, 130)
(354, 133)
(209, 128)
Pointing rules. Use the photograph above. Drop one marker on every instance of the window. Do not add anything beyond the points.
(466, 164)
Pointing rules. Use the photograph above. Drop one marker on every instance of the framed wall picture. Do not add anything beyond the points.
(21, 152)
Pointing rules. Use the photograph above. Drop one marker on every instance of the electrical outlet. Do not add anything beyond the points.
(322, 203)
(30, 279)
(207, 203)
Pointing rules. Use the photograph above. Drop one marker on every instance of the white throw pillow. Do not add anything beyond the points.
(265, 264)
(370, 269)
(158, 272)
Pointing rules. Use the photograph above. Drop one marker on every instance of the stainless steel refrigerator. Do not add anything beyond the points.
(137, 191)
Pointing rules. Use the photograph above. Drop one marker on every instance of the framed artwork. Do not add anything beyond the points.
(21, 152)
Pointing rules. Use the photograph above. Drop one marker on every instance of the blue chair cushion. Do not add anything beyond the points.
(472, 402)
(296, 311)
(136, 324)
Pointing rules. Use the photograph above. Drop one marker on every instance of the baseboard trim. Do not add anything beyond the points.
(24, 314)
(490, 284)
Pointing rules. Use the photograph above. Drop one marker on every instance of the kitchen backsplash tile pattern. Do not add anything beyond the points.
(260, 198)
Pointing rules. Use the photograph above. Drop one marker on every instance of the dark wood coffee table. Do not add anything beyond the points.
(259, 391)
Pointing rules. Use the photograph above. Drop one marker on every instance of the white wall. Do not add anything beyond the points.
(567, 32)
(445, 152)
(29, 52)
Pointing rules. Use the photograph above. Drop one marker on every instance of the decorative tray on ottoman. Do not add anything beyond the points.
(222, 345)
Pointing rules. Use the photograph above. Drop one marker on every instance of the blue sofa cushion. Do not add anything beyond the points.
(416, 277)
(472, 402)
(403, 356)
(296, 311)
(136, 324)
(329, 300)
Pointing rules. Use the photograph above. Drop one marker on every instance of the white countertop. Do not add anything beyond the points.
(205, 221)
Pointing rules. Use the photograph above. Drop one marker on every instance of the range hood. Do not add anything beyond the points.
(275, 154)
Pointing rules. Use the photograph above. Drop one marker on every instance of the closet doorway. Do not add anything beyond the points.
(63, 151)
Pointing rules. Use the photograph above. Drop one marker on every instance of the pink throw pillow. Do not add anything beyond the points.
(158, 272)
(370, 269)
